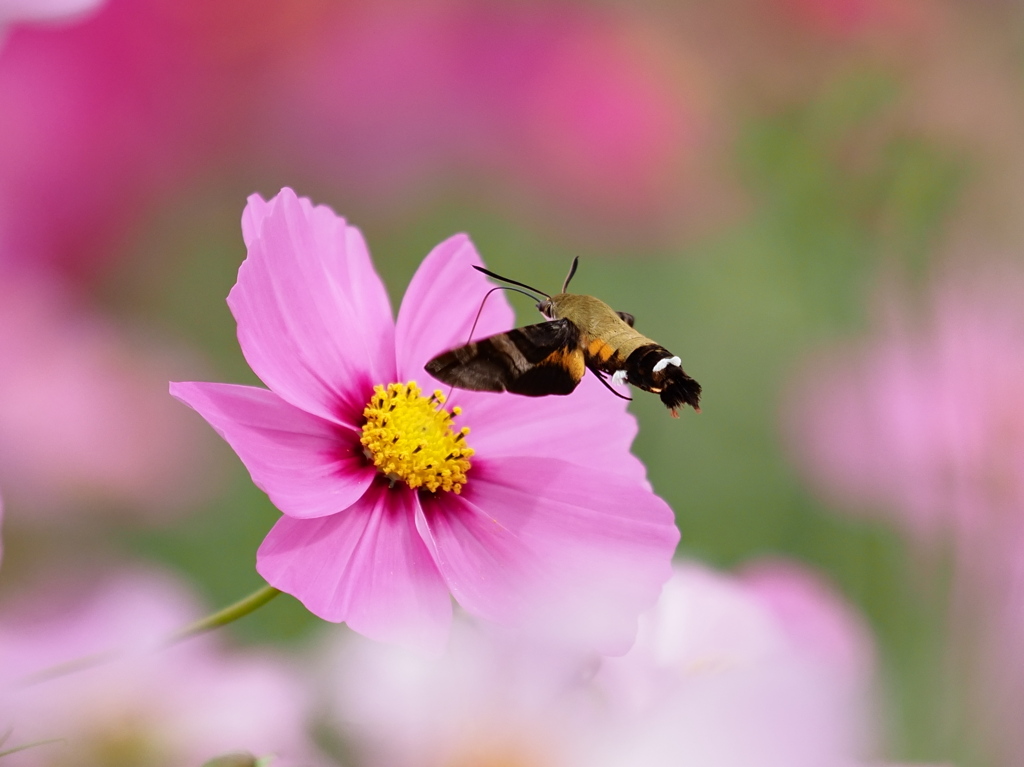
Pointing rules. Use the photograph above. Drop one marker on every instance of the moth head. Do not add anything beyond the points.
(550, 307)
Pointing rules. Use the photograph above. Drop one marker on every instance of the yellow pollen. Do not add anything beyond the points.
(411, 438)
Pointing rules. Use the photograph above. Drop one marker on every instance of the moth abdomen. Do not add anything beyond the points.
(654, 368)
(582, 333)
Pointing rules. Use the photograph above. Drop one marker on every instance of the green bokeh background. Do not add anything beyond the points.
(742, 303)
(741, 307)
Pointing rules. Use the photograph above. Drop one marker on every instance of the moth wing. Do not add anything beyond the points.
(626, 317)
(535, 361)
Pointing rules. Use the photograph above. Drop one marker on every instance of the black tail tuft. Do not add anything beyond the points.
(680, 390)
(670, 382)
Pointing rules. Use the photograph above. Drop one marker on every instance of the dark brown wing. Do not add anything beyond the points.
(535, 361)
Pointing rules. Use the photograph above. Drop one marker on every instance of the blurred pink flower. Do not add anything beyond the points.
(715, 679)
(924, 422)
(924, 419)
(579, 114)
(816, 619)
(575, 106)
(771, 668)
(92, 130)
(13, 11)
(547, 510)
(152, 707)
(102, 121)
(846, 19)
(84, 417)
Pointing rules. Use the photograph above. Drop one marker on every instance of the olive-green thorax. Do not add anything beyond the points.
(597, 320)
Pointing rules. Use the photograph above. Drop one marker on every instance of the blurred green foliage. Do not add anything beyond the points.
(831, 203)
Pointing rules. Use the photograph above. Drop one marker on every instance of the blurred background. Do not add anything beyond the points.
(817, 204)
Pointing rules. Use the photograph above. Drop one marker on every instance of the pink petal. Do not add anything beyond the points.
(547, 542)
(314, 321)
(589, 427)
(256, 209)
(366, 566)
(308, 466)
(440, 305)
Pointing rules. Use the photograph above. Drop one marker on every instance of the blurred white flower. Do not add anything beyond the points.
(151, 707)
(763, 670)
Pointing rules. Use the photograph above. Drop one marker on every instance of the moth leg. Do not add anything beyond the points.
(600, 377)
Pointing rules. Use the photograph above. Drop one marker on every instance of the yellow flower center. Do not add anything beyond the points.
(411, 438)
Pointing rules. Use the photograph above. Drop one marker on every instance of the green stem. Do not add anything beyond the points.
(69, 667)
(27, 746)
(229, 614)
(239, 609)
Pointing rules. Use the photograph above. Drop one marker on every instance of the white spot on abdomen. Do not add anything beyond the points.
(664, 363)
(619, 377)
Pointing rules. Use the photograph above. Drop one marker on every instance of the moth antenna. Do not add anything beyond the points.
(600, 377)
(572, 271)
(484, 300)
(489, 273)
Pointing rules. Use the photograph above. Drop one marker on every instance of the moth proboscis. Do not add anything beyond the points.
(582, 332)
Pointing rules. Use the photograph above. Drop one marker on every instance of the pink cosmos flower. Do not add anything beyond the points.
(718, 677)
(527, 508)
(151, 707)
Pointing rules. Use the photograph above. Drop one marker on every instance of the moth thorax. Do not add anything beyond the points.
(410, 438)
(584, 311)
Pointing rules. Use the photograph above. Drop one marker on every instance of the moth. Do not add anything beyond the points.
(582, 333)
